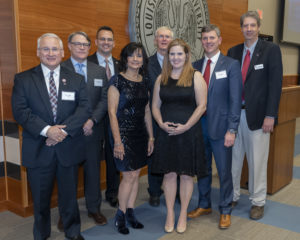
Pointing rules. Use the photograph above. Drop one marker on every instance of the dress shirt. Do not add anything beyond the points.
(213, 63)
(160, 59)
(251, 49)
(84, 66)
(102, 62)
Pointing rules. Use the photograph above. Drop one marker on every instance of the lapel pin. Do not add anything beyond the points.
(64, 81)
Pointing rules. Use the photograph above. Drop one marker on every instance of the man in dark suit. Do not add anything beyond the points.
(223, 77)
(105, 43)
(96, 81)
(261, 66)
(50, 103)
(163, 36)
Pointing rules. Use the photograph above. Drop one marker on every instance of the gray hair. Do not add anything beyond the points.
(211, 27)
(164, 28)
(79, 33)
(253, 14)
(52, 35)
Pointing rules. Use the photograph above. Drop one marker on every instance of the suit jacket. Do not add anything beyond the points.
(263, 82)
(93, 58)
(224, 96)
(97, 96)
(32, 110)
(154, 70)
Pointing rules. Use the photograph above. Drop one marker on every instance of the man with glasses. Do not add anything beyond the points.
(50, 102)
(103, 57)
(96, 81)
(163, 36)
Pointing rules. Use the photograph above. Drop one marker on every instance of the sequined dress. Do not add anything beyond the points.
(184, 153)
(131, 118)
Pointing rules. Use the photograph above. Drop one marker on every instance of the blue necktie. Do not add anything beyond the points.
(79, 69)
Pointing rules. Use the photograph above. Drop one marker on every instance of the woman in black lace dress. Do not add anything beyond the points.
(131, 127)
(179, 100)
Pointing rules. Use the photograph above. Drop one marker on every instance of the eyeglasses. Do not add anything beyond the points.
(47, 50)
(79, 44)
(106, 39)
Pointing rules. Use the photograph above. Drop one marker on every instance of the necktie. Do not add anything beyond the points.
(53, 95)
(246, 64)
(245, 67)
(108, 72)
(79, 69)
(207, 72)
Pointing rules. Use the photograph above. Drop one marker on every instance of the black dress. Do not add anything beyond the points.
(131, 118)
(184, 153)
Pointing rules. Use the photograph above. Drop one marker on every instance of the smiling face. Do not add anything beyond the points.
(162, 40)
(250, 29)
(105, 42)
(50, 52)
(79, 47)
(211, 43)
(135, 61)
(177, 57)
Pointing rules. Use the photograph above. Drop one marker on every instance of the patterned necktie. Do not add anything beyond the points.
(108, 72)
(53, 95)
(79, 69)
(245, 67)
(206, 75)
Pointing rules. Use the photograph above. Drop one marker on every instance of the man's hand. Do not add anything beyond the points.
(56, 134)
(50, 142)
(229, 139)
(268, 124)
(88, 127)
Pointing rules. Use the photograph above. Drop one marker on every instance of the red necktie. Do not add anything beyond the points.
(207, 72)
(245, 67)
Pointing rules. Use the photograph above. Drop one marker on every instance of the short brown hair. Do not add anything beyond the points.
(253, 14)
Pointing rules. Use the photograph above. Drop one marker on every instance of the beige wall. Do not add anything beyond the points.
(271, 25)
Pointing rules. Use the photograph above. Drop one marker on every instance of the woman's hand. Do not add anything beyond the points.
(119, 151)
(150, 146)
(168, 127)
(178, 129)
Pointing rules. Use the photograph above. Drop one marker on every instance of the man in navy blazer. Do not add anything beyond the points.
(220, 123)
(50, 103)
(262, 89)
(105, 43)
(96, 82)
(163, 36)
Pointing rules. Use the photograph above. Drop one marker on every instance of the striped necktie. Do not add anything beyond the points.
(53, 95)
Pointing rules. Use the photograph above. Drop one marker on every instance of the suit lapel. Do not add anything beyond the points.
(39, 80)
(63, 85)
(256, 55)
(218, 67)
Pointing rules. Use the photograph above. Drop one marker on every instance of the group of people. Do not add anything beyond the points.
(164, 111)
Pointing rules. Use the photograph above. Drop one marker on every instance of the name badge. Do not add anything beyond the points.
(98, 82)
(258, 66)
(221, 74)
(68, 96)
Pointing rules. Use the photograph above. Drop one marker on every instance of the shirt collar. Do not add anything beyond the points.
(214, 59)
(84, 63)
(160, 58)
(46, 70)
(101, 59)
(251, 48)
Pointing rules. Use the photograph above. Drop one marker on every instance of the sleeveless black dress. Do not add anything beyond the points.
(184, 153)
(131, 118)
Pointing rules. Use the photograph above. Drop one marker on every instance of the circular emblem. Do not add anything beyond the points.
(185, 17)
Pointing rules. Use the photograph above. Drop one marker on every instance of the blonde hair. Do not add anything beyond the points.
(186, 76)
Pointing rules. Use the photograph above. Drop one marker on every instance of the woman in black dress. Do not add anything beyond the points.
(131, 127)
(179, 100)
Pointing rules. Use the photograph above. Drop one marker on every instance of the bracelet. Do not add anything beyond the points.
(117, 144)
(151, 139)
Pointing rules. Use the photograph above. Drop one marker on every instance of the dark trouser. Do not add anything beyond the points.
(91, 165)
(41, 181)
(112, 174)
(154, 181)
(223, 159)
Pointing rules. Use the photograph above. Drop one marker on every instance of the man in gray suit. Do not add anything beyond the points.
(96, 81)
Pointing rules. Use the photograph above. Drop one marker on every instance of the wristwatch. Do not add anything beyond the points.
(232, 131)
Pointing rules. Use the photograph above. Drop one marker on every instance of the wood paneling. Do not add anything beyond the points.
(290, 80)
